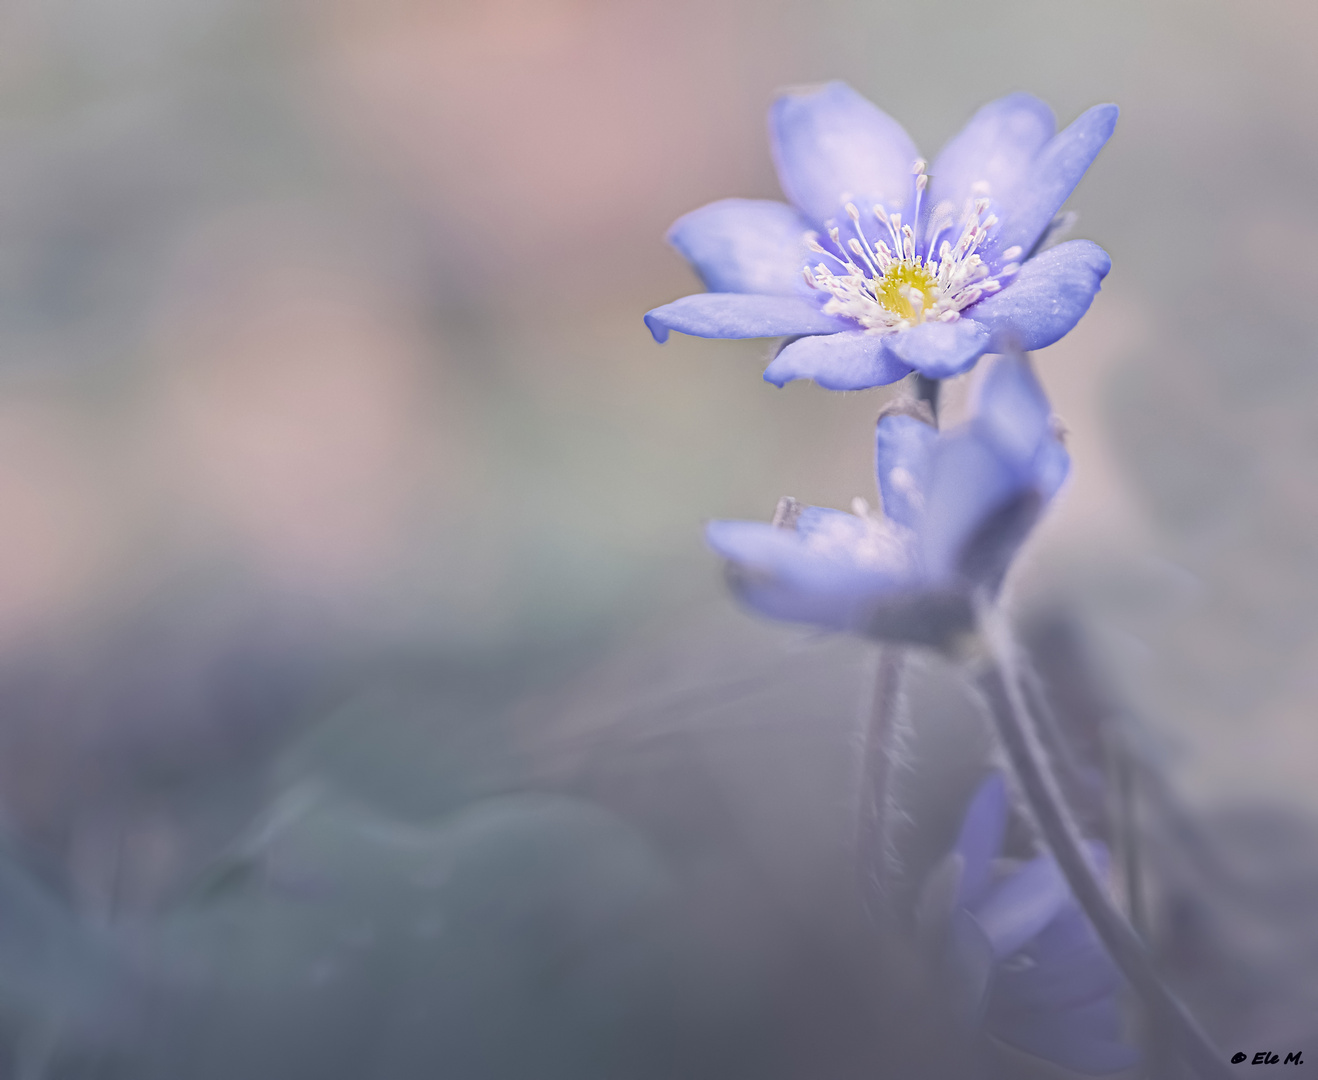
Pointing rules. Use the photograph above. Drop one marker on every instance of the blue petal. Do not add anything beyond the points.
(738, 315)
(1053, 176)
(744, 246)
(940, 350)
(968, 482)
(823, 521)
(902, 445)
(1050, 468)
(832, 146)
(998, 147)
(1016, 909)
(1069, 967)
(1046, 298)
(1013, 414)
(854, 360)
(1086, 1040)
(1066, 963)
(1015, 418)
(970, 959)
(980, 839)
(779, 575)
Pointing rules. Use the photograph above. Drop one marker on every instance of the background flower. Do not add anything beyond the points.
(1027, 966)
(916, 271)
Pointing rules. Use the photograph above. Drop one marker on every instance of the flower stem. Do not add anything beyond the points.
(1128, 831)
(876, 860)
(926, 389)
(1041, 792)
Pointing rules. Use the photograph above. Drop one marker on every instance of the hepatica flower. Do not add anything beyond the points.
(956, 506)
(880, 266)
(1027, 967)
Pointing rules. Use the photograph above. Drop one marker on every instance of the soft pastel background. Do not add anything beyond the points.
(332, 444)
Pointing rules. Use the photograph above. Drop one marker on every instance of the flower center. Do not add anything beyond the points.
(862, 538)
(906, 289)
(889, 284)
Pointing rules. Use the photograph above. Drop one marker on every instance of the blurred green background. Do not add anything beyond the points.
(333, 308)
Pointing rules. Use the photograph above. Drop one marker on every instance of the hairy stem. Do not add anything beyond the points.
(876, 859)
(926, 389)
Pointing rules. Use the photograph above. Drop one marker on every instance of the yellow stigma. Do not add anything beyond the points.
(903, 281)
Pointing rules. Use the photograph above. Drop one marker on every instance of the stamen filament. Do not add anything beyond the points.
(891, 283)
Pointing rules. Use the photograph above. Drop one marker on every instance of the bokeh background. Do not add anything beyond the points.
(335, 457)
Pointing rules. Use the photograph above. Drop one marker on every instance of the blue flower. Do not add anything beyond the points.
(1027, 965)
(878, 267)
(956, 506)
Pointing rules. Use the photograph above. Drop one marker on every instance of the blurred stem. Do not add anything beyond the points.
(926, 389)
(1052, 733)
(1128, 830)
(875, 857)
(1158, 1057)
(1021, 743)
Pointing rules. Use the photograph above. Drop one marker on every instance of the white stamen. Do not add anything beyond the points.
(865, 253)
(940, 276)
(862, 538)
